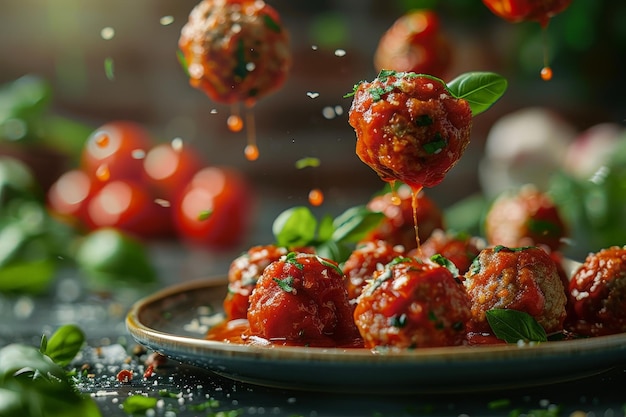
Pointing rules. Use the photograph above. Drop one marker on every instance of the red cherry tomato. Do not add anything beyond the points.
(214, 209)
(115, 151)
(69, 195)
(414, 43)
(527, 10)
(168, 167)
(127, 205)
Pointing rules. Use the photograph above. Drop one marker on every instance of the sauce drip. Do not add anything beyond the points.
(251, 151)
(415, 190)
(546, 71)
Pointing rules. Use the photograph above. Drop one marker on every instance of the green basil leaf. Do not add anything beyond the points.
(480, 89)
(513, 326)
(326, 229)
(64, 344)
(295, 227)
(354, 223)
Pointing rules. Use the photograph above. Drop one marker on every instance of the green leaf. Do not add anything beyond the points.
(271, 24)
(513, 326)
(309, 161)
(354, 223)
(295, 227)
(326, 228)
(109, 68)
(446, 263)
(480, 89)
(285, 284)
(138, 404)
(64, 344)
(27, 277)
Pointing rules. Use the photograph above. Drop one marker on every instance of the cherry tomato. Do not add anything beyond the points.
(168, 167)
(414, 43)
(527, 10)
(128, 205)
(214, 209)
(70, 194)
(115, 151)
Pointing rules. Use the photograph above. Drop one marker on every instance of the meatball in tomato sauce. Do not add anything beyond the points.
(409, 127)
(460, 249)
(527, 217)
(243, 274)
(597, 294)
(524, 279)
(412, 304)
(364, 261)
(301, 300)
(398, 226)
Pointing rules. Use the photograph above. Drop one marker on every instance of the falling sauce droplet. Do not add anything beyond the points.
(235, 123)
(395, 199)
(546, 73)
(251, 152)
(316, 197)
(102, 140)
(102, 173)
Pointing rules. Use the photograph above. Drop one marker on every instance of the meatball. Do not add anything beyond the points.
(235, 50)
(414, 43)
(398, 227)
(364, 261)
(243, 274)
(460, 249)
(523, 279)
(301, 300)
(409, 127)
(526, 217)
(412, 304)
(597, 294)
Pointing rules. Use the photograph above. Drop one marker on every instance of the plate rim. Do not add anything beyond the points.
(145, 334)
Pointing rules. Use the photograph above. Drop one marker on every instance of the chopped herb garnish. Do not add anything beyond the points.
(138, 404)
(183, 61)
(499, 248)
(291, 258)
(330, 265)
(285, 284)
(240, 71)
(498, 404)
(398, 321)
(446, 263)
(271, 23)
(204, 215)
(307, 162)
(109, 68)
(423, 120)
(436, 145)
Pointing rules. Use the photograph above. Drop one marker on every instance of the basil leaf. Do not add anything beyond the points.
(354, 223)
(480, 89)
(64, 344)
(326, 229)
(513, 326)
(295, 227)
(285, 284)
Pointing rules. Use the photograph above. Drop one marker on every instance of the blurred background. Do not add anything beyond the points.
(114, 59)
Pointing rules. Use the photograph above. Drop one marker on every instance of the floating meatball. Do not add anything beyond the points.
(414, 43)
(301, 300)
(597, 294)
(525, 218)
(243, 274)
(409, 127)
(235, 50)
(523, 279)
(365, 260)
(412, 304)
(460, 249)
(398, 227)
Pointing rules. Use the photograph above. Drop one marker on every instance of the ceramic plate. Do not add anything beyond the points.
(174, 321)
